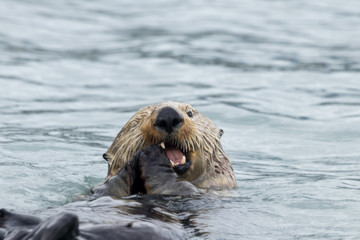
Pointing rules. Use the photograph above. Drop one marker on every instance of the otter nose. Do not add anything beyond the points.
(168, 119)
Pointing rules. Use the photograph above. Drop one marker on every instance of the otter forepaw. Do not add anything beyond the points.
(158, 175)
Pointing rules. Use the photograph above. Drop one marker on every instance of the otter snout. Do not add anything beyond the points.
(168, 119)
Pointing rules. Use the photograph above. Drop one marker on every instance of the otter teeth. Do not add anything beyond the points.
(183, 160)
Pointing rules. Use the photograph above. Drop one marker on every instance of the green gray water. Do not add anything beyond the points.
(282, 78)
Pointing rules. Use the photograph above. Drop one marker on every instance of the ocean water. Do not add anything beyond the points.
(282, 78)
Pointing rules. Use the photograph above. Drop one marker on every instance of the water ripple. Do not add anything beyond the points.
(280, 77)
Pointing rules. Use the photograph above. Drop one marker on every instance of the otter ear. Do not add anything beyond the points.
(107, 157)
(221, 132)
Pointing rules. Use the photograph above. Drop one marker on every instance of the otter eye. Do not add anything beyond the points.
(189, 113)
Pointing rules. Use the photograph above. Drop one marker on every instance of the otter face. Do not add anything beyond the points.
(174, 129)
(191, 141)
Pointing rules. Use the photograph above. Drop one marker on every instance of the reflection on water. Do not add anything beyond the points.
(280, 77)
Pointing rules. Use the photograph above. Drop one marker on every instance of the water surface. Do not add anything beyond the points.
(280, 77)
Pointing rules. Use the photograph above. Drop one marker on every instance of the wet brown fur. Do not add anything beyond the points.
(197, 135)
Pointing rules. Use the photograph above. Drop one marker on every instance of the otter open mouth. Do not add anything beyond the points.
(179, 160)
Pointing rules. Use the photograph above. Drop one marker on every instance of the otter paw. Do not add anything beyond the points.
(158, 176)
(153, 162)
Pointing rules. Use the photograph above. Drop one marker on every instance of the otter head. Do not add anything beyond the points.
(191, 142)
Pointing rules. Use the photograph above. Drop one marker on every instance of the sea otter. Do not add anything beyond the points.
(164, 149)
(190, 141)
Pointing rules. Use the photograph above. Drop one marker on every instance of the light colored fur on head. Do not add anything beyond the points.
(197, 135)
